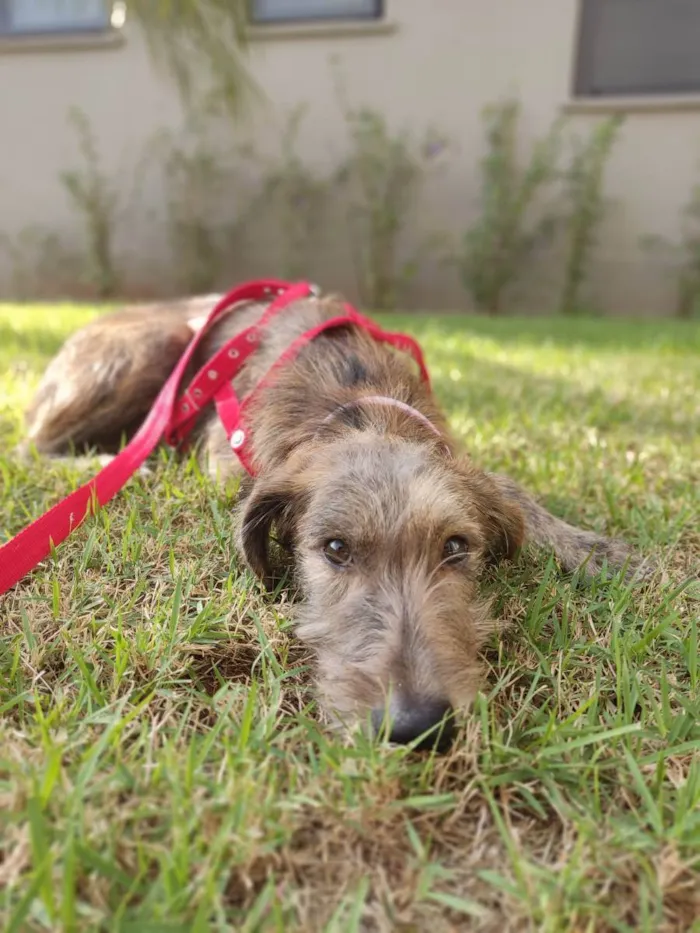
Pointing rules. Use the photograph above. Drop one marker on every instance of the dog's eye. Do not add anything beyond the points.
(455, 550)
(337, 552)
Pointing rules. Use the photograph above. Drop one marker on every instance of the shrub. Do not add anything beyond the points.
(586, 206)
(382, 178)
(685, 255)
(201, 212)
(513, 221)
(40, 266)
(294, 195)
(92, 195)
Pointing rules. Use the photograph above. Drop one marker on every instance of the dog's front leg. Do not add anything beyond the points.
(573, 547)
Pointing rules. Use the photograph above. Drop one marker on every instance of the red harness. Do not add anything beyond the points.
(172, 417)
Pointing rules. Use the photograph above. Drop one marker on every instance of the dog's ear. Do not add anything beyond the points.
(277, 499)
(505, 527)
(500, 517)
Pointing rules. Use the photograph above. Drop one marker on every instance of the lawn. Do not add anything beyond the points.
(162, 767)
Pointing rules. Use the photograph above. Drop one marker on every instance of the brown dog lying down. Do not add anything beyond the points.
(388, 525)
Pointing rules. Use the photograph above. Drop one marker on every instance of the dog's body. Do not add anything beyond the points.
(389, 526)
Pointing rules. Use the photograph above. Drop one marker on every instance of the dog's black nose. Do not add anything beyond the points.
(433, 720)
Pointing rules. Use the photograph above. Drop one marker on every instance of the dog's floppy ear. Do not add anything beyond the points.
(505, 528)
(276, 499)
(500, 517)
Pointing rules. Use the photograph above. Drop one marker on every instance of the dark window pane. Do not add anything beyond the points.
(276, 11)
(21, 17)
(639, 47)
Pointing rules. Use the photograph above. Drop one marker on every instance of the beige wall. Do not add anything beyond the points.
(438, 63)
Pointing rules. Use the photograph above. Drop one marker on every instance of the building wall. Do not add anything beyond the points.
(434, 63)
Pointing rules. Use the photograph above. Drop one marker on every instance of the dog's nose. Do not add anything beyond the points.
(433, 720)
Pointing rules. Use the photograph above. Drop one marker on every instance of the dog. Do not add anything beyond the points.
(388, 525)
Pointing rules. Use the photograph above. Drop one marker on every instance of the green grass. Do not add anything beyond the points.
(161, 766)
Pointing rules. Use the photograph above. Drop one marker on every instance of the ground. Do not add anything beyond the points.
(161, 765)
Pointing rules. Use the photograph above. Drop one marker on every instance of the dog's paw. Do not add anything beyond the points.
(594, 555)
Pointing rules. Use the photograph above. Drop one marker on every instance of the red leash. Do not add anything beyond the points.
(172, 417)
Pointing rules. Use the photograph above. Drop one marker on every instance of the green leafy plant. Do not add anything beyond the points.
(198, 195)
(39, 264)
(685, 257)
(688, 302)
(200, 45)
(382, 178)
(513, 221)
(94, 198)
(586, 204)
(293, 194)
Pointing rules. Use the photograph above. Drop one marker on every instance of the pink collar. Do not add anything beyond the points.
(383, 400)
(389, 402)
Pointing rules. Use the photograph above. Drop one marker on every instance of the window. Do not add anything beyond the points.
(41, 17)
(629, 47)
(300, 11)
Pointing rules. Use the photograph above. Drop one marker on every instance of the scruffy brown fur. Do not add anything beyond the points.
(400, 626)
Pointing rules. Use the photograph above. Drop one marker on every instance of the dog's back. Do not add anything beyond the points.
(106, 376)
(102, 383)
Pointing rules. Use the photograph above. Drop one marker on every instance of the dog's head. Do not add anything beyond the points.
(389, 537)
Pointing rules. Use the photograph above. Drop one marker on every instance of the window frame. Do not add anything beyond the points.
(583, 86)
(315, 18)
(8, 34)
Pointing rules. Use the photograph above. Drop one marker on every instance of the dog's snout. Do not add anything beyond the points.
(407, 720)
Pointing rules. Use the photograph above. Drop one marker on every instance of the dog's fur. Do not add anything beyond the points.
(399, 619)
